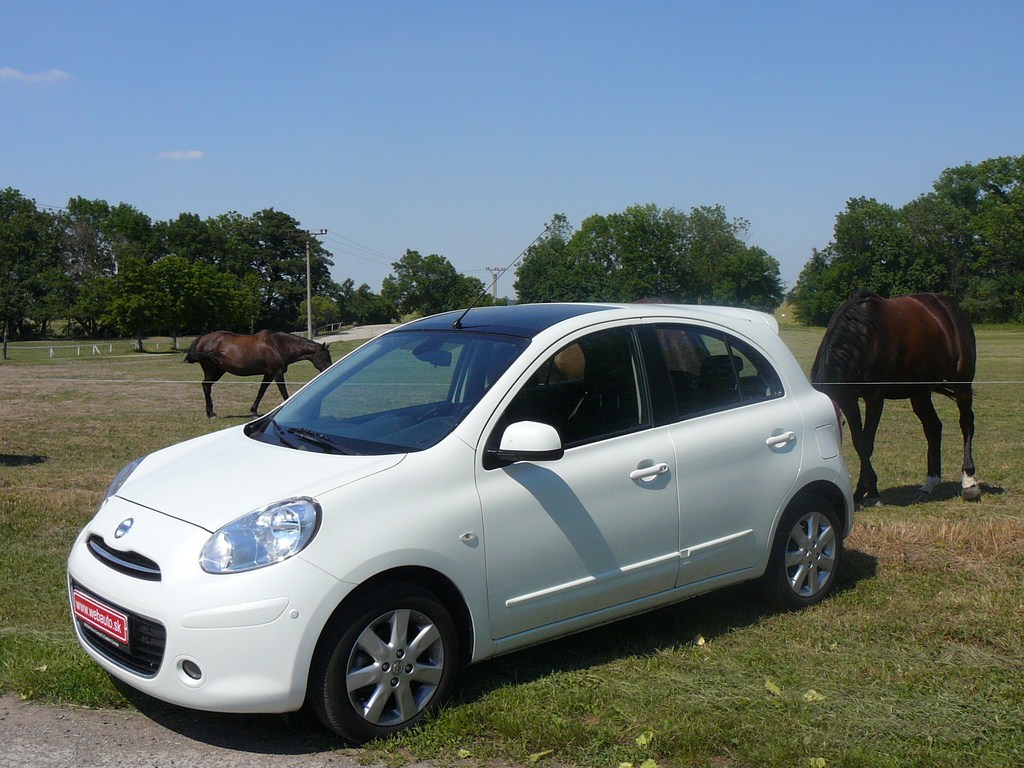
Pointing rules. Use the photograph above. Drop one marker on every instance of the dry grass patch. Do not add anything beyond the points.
(984, 546)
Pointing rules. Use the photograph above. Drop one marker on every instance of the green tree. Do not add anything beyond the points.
(87, 249)
(28, 256)
(131, 234)
(876, 246)
(639, 253)
(190, 237)
(271, 245)
(90, 305)
(711, 239)
(991, 194)
(361, 305)
(136, 306)
(173, 292)
(645, 252)
(749, 277)
(51, 294)
(549, 272)
(325, 311)
(823, 285)
(426, 285)
(965, 239)
(940, 246)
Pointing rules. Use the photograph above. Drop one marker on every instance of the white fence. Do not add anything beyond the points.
(37, 352)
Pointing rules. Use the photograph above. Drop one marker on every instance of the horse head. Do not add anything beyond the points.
(322, 358)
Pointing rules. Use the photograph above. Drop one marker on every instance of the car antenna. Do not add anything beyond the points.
(457, 325)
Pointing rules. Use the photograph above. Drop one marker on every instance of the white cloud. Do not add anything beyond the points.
(182, 154)
(49, 76)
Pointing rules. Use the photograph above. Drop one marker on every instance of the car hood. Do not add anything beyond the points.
(212, 480)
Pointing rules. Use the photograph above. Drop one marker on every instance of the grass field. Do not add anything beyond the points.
(916, 661)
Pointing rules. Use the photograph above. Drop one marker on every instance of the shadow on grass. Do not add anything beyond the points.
(709, 616)
(20, 460)
(908, 495)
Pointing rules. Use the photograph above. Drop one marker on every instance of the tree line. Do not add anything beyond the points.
(97, 270)
(965, 239)
(645, 252)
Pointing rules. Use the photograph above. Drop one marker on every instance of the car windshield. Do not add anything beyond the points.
(404, 391)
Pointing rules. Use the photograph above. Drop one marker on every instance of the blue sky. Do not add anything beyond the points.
(461, 128)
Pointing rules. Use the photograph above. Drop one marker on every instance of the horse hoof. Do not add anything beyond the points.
(971, 493)
(869, 501)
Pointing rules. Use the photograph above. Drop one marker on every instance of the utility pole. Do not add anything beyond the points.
(309, 283)
(495, 274)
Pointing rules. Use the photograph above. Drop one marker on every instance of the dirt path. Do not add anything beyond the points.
(37, 736)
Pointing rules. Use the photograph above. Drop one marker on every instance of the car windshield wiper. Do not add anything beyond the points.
(318, 439)
(281, 435)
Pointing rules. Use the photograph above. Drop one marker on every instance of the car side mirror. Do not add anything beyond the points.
(528, 441)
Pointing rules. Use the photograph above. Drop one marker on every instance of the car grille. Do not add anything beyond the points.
(146, 640)
(130, 563)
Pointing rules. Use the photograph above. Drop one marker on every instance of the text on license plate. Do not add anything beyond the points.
(103, 618)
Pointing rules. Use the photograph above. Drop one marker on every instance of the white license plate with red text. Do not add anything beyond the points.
(100, 617)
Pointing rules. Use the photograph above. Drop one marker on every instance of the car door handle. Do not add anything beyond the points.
(646, 473)
(776, 440)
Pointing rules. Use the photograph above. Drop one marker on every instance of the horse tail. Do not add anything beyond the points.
(192, 355)
(842, 355)
(195, 354)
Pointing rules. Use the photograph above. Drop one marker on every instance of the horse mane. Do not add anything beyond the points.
(289, 335)
(842, 354)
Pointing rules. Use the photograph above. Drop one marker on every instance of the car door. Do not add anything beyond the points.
(597, 527)
(737, 451)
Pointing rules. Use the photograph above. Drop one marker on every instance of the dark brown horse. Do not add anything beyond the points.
(899, 348)
(268, 353)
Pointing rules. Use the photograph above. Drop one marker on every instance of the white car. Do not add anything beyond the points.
(463, 486)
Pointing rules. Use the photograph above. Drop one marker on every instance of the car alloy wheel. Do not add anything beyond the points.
(806, 555)
(386, 661)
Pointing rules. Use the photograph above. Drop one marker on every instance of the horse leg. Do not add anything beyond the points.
(210, 375)
(969, 488)
(851, 409)
(925, 410)
(867, 485)
(280, 385)
(259, 395)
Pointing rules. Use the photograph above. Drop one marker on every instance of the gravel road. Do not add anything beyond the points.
(38, 736)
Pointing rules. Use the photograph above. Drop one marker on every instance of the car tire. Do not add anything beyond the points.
(385, 662)
(806, 555)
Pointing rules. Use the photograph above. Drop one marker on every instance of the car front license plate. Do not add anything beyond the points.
(100, 617)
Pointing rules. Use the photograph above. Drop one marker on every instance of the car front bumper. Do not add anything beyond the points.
(239, 642)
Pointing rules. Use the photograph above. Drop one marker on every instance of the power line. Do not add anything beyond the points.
(353, 244)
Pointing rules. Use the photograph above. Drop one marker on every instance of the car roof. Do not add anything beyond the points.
(528, 320)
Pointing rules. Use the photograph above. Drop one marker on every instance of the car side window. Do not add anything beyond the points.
(711, 371)
(588, 390)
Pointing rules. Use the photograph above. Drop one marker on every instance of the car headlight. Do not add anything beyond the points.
(262, 537)
(121, 477)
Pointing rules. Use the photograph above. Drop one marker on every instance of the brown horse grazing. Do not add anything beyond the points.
(899, 348)
(267, 352)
